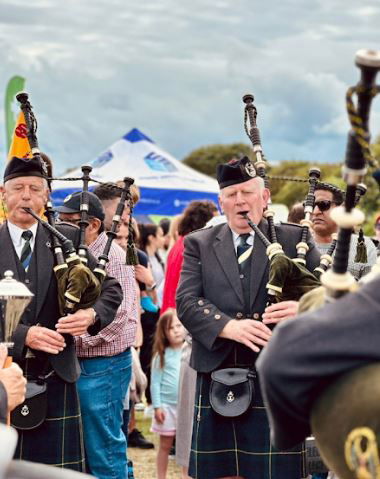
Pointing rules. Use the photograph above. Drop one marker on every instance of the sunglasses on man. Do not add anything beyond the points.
(324, 205)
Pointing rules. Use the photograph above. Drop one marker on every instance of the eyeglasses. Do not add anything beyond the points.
(324, 205)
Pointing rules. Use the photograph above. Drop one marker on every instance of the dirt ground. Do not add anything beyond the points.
(144, 461)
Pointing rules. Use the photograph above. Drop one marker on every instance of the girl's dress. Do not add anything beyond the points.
(164, 390)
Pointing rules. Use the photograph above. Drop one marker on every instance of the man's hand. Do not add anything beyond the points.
(44, 339)
(144, 275)
(13, 381)
(77, 323)
(159, 415)
(248, 332)
(275, 313)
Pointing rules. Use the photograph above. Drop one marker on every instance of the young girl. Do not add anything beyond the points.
(166, 360)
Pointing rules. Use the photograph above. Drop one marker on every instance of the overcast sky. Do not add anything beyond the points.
(177, 71)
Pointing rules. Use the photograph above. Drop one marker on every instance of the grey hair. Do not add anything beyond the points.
(261, 184)
(44, 180)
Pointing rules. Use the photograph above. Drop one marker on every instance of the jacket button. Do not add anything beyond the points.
(239, 315)
(206, 311)
(27, 281)
(200, 302)
(256, 316)
(217, 316)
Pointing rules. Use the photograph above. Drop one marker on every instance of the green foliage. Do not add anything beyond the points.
(290, 192)
(206, 159)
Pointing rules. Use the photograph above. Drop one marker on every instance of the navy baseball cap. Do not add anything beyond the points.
(71, 204)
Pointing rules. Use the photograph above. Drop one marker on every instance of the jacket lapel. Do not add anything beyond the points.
(8, 260)
(45, 264)
(225, 252)
(259, 263)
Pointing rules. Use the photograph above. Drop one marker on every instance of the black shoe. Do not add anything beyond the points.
(172, 452)
(136, 439)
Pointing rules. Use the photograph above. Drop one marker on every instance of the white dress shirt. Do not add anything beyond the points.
(236, 239)
(18, 241)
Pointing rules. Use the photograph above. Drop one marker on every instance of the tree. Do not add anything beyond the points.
(206, 158)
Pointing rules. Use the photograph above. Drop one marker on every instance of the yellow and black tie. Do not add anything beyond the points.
(244, 250)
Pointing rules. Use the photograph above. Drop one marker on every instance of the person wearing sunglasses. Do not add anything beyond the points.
(328, 197)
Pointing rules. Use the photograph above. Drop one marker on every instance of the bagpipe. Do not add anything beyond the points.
(78, 286)
(289, 278)
(344, 418)
(361, 249)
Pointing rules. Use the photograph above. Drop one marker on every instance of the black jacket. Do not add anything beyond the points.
(210, 291)
(43, 309)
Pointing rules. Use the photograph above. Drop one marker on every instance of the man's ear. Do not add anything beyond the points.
(266, 196)
(46, 196)
(95, 224)
(220, 200)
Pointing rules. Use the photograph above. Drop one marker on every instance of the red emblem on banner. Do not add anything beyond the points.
(21, 131)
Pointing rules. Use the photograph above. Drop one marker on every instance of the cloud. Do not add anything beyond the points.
(178, 70)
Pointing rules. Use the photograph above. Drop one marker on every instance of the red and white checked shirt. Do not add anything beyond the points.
(120, 334)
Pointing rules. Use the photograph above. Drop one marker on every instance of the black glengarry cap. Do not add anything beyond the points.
(17, 167)
(234, 172)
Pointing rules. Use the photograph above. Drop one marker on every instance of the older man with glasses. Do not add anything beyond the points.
(327, 197)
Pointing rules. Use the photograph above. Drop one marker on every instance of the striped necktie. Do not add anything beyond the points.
(244, 250)
(26, 252)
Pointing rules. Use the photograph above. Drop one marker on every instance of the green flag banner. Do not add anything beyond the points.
(15, 85)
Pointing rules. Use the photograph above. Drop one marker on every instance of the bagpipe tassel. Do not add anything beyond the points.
(361, 249)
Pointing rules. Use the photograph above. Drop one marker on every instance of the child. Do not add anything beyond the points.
(167, 349)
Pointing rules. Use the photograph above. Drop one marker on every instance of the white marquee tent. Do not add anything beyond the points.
(166, 184)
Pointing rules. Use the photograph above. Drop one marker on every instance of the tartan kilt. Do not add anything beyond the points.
(59, 439)
(240, 446)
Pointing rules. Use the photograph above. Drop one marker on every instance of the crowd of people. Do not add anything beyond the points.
(168, 333)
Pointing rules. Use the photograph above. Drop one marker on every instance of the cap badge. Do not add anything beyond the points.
(44, 166)
(250, 169)
(68, 197)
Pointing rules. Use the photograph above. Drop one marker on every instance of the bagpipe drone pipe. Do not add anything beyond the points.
(289, 278)
(344, 417)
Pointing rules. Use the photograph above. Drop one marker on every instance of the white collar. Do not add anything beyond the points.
(236, 237)
(15, 232)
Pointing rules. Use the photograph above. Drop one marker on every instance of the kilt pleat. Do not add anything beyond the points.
(240, 446)
(59, 440)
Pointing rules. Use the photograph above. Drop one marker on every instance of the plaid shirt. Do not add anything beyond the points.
(356, 269)
(120, 334)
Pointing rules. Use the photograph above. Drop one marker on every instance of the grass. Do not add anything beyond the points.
(144, 460)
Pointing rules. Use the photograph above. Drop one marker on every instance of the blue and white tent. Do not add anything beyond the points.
(166, 184)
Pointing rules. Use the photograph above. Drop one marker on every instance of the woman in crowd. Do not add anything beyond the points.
(150, 241)
(144, 279)
(195, 216)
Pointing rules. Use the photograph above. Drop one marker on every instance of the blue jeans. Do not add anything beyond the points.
(102, 387)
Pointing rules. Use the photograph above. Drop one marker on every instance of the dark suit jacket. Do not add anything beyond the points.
(307, 354)
(210, 291)
(44, 306)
